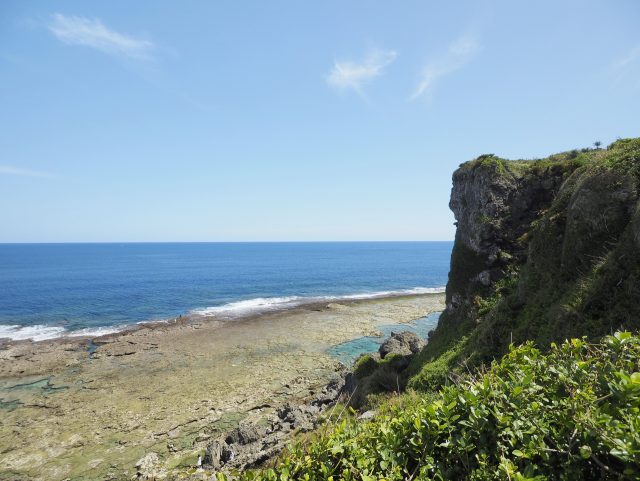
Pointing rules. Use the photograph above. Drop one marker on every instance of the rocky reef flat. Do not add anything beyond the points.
(92, 408)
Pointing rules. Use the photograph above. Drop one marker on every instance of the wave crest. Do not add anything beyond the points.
(41, 332)
(266, 304)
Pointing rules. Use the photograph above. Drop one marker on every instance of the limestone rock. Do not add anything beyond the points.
(564, 231)
(494, 207)
(218, 453)
(251, 444)
(149, 467)
(245, 434)
(485, 278)
(329, 393)
(402, 343)
(367, 415)
(299, 417)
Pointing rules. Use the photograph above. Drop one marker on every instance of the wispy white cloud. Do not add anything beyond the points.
(457, 55)
(464, 46)
(630, 57)
(11, 170)
(93, 33)
(353, 75)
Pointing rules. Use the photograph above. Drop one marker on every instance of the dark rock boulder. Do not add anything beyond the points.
(218, 453)
(403, 343)
(329, 393)
(245, 434)
(300, 417)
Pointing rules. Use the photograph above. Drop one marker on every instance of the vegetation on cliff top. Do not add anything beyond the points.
(573, 413)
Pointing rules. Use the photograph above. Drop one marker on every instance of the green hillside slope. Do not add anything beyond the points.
(572, 414)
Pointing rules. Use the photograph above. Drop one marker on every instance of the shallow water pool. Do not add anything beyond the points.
(348, 352)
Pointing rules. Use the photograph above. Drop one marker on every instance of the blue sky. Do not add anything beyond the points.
(287, 120)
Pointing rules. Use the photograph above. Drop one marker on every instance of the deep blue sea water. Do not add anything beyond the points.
(47, 290)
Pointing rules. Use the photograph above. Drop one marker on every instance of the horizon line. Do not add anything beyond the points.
(227, 242)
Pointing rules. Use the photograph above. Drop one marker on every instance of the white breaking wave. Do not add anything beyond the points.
(35, 333)
(265, 304)
(95, 331)
(41, 332)
(403, 292)
(252, 305)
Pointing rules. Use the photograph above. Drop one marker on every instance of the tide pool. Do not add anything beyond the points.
(348, 352)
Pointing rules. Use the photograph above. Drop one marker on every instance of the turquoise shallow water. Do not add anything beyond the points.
(349, 351)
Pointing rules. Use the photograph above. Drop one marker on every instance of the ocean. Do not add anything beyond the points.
(53, 290)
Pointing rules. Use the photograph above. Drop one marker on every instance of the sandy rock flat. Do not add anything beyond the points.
(71, 412)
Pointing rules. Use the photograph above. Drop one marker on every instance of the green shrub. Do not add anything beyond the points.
(395, 361)
(364, 366)
(571, 414)
(378, 376)
(435, 372)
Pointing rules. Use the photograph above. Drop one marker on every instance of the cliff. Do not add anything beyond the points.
(544, 250)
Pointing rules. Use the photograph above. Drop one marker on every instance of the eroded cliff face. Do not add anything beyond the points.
(494, 203)
(544, 249)
(494, 206)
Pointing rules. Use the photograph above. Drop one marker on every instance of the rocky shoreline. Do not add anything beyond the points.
(257, 442)
(76, 410)
(253, 443)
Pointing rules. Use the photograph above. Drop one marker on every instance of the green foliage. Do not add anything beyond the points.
(623, 155)
(489, 161)
(431, 372)
(485, 219)
(364, 366)
(502, 288)
(464, 263)
(378, 376)
(562, 163)
(385, 379)
(571, 414)
(395, 361)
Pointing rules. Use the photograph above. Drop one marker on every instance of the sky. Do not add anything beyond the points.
(291, 121)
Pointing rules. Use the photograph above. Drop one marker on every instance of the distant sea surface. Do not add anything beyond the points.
(53, 290)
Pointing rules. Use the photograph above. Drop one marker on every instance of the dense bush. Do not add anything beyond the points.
(374, 376)
(573, 413)
(364, 366)
(429, 373)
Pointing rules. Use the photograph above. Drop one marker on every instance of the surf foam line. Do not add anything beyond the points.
(42, 332)
(265, 304)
